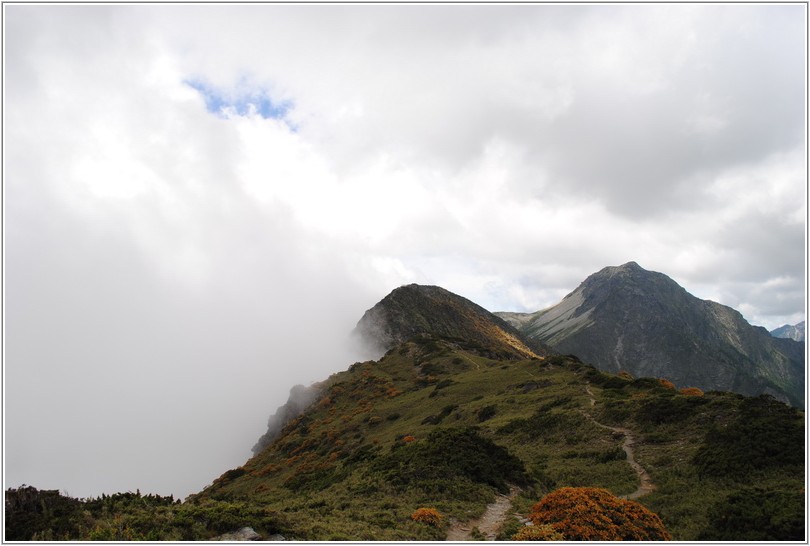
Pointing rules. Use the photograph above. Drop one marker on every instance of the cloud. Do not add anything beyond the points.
(201, 201)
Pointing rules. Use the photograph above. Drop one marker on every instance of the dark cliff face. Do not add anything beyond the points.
(628, 318)
(412, 310)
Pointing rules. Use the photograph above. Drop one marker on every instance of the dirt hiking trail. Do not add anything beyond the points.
(489, 523)
(495, 514)
(646, 485)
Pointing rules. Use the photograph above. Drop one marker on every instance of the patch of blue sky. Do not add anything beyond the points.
(242, 101)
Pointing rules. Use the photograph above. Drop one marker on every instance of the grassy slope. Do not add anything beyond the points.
(332, 473)
(435, 424)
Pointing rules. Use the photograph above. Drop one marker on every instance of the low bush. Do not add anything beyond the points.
(667, 410)
(448, 455)
(543, 422)
(587, 513)
(754, 514)
(436, 419)
(48, 515)
(486, 413)
(765, 434)
(538, 532)
(667, 384)
(691, 391)
(430, 516)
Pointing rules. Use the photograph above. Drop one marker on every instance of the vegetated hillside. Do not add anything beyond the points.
(409, 446)
(300, 398)
(408, 311)
(628, 318)
(435, 425)
(414, 309)
(790, 331)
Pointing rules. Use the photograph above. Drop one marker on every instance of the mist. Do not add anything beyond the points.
(200, 202)
(124, 378)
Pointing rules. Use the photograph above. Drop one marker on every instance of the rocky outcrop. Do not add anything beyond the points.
(245, 533)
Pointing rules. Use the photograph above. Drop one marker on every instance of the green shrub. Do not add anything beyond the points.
(451, 455)
(486, 413)
(436, 419)
(543, 422)
(233, 474)
(316, 479)
(668, 409)
(609, 381)
(599, 456)
(511, 526)
(753, 514)
(766, 434)
(443, 384)
(29, 512)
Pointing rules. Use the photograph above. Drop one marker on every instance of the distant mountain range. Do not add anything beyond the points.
(790, 331)
(621, 318)
(643, 322)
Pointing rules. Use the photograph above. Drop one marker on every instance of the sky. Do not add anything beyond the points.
(200, 201)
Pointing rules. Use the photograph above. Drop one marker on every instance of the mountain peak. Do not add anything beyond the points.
(631, 269)
(617, 283)
(790, 331)
(627, 318)
(414, 309)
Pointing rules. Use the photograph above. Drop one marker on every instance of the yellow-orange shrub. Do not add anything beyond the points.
(589, 513)
(691, 391)
(667, 383)
(268, 469)
(537, 532)
(408, 439)
(625, 375)
(430, 516)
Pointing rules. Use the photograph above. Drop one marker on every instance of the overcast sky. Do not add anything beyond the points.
(202, 200)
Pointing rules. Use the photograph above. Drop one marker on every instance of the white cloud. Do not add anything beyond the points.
(175, 254)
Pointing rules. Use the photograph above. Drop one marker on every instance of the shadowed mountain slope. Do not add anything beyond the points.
(628, 318)
(414, 309)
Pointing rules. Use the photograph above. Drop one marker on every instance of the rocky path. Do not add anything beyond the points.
(646, 485)
(489, 523)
